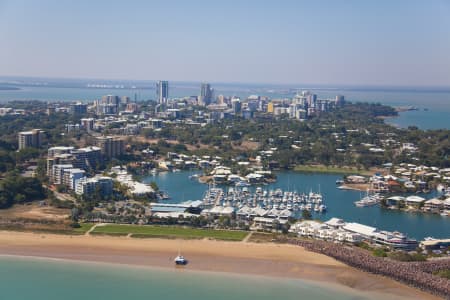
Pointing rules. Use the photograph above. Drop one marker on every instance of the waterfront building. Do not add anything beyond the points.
(135, 188)
(433, 205)
(88, 186)
(162, 92)
(111, 146)
(30, 139)
(435, 244)
(268, 224)
(206, 95)
(337, 230)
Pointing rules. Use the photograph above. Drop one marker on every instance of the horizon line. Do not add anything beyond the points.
(331, 85)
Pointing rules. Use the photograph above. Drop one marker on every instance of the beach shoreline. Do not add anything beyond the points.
(266, 259)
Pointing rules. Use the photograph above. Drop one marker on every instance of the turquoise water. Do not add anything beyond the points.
(436, 101)
(339, 202)
(42, 279)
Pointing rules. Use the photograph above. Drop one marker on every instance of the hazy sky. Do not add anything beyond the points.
(388, 42)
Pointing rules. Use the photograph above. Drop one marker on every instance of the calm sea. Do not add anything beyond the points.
(43, 279)
(340, 203)
(433, 105)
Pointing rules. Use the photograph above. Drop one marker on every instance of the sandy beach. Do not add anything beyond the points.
(264, 259)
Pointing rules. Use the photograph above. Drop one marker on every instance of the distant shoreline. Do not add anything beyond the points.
(9, 88)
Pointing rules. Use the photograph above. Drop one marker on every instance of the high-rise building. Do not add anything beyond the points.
(236, 105)
(58, 173)
(340, 100)
(88, 186)
(162, 92)
(108, 105)
(78, 108)
(125, 100)
(31, 138)
(110, 99)
(70, 177)
(221, 99)
(206, 94)
(87, 124)
(87, 157)
(111, 146)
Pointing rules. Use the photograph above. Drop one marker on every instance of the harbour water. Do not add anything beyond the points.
(340, 203)
(46, 279)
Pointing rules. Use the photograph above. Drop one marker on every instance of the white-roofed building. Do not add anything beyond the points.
(261, 223)
(363, 230)
(218, 211)
(335, 223)
(433, 205)
(414, 200)
(447, 204)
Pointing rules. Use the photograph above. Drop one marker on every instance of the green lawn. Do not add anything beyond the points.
(83, 229)
(142, 231)
(330, 169)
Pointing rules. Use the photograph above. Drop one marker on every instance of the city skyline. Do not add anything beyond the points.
(403, 43)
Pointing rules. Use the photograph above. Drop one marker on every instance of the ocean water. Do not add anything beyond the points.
(340, 203)
(44, 279)
(433, 105)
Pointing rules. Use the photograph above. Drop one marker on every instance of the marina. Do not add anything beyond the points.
(275, 204)
(340, 203)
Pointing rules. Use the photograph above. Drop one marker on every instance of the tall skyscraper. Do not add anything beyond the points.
(206, 94)
(162, 91)
(340, 100)
(236, 105)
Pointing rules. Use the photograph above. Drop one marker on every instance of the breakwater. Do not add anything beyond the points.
(416, 274)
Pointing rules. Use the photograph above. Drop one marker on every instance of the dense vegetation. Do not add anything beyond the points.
(15, 189)
(315, 141)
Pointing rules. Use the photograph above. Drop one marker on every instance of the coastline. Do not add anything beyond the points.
(266, 259)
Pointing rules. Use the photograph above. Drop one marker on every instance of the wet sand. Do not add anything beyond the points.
(264, 259)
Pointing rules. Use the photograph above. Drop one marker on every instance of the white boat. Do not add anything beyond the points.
(316, 208)
(241, 184)
(180, 260)
(368, 200)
